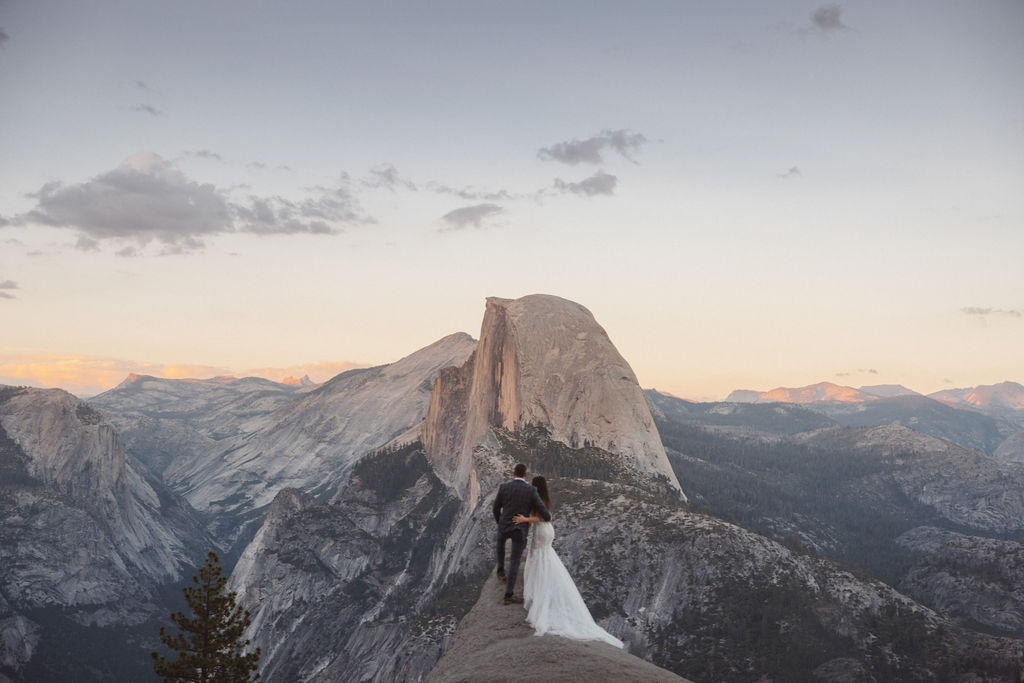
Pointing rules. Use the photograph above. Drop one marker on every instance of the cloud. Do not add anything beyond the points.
(146, 199)
(142, 85)
(86, 243)
(597, 184)
(128, 252)
(793, 172)
(318, 215)
(147, 109)
(467, 216)
(472, 193)
(826, 19)
(256, 164)
(5, 286)
(590, 150)
(981, 312)
(3, 37)
(387, 177)
(860, 371)
(205, 154)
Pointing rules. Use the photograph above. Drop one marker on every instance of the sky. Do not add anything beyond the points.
(745, 194)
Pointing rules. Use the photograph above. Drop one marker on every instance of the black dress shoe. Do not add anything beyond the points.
(501, 573)
(512, 600)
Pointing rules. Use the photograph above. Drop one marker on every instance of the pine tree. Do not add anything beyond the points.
(208, 644)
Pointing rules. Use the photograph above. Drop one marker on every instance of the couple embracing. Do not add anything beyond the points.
(553, 603)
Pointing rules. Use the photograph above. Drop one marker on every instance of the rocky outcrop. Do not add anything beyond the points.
(979, 581)
(314, 442)
(1004, 401)
(371, 586)
(346, 590)
(218, 408)
(264, 437)
(494, 643)
(965, 486)
(83, 529)
(541, 360)
(928, 416)
(1012, 448)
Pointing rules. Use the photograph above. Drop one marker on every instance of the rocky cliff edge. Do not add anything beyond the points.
(494, 643)
(541, 360)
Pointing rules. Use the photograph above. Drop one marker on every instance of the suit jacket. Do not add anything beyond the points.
(514, 498)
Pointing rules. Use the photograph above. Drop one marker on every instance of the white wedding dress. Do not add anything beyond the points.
(553, 603)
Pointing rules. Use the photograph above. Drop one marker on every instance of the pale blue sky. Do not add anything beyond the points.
(767, 193)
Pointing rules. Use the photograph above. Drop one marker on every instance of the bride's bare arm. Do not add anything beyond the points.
(520, 519)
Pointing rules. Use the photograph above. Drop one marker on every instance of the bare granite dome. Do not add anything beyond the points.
(541, 360)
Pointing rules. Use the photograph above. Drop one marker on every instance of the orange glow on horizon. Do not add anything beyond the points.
(86, 376)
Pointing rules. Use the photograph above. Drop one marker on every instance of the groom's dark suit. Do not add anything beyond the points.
(515, 497)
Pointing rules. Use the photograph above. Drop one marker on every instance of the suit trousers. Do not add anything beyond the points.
(518, 537)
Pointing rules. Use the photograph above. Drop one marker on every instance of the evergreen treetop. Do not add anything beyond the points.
(209, 643)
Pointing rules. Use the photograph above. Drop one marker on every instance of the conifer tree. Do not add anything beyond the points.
(208, 644)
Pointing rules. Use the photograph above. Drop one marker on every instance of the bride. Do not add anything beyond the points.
(553, 603)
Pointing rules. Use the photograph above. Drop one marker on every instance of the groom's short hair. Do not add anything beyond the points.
(520, 470)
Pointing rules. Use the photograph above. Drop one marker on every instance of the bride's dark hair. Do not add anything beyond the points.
(542, 488)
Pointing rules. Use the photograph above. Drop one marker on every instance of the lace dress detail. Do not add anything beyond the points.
(553, 603)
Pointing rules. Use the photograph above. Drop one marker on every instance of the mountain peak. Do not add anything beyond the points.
(813, 393)
(888, 390)
(541, 360)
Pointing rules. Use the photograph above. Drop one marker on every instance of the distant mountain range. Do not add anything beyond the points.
(1006, 396)
(1002, 404)
(840, 534)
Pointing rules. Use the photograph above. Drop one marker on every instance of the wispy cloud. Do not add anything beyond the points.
(793, 172)
(3, 37)
(146, 199)
(982, 312)
(592, 149)
(205, 154)
(474, 194)
(147, 109)
(387, 177)
(600, 183)
(859, 371)
(826, 19)
(320, 214)
(5, 287)
(470, 216)
(142, 85)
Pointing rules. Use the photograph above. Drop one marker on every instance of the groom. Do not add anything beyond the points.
(515, 497)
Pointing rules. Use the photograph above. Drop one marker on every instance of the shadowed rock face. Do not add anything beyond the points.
(1012, 449)
(229, 446)
(541, 360)
(87, 535)
(494, 643)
